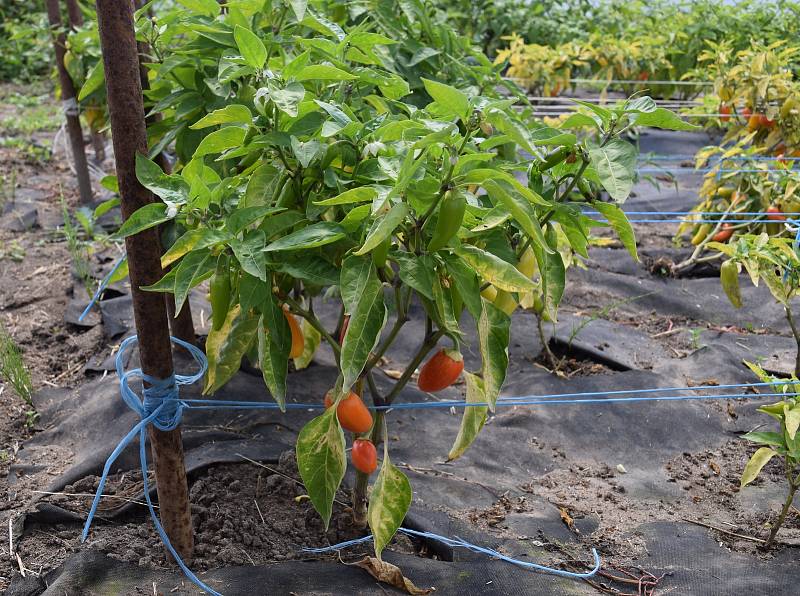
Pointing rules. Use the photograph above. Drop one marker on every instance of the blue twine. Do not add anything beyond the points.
(686, 157)
(457, 542)
(162, 407)
(656, 170)
(101, 288)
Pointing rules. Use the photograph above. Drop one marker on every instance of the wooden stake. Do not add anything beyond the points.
(182, 325)
(74, 14)
(128, 133)
(70, 104)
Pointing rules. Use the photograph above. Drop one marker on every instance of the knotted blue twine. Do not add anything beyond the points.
(161, 407)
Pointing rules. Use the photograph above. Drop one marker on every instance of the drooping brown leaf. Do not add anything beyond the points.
(390, 574)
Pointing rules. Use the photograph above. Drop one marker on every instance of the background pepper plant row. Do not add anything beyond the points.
(309, 168)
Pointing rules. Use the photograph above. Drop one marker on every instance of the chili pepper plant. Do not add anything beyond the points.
(783, 443)
(774, 261)
(308, 171)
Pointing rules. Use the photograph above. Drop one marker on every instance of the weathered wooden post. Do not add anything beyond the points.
(182, 325)
(74, 14)
(70, 104)
(128, 133)
(98, 138)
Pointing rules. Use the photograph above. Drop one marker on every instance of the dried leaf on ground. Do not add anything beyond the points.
(390, 574)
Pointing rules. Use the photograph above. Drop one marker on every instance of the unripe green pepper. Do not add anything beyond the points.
(380, 252)
(288, 194)
(554, 158)
(585, 189)
(220, 290)
(451, 214)
(729, 276)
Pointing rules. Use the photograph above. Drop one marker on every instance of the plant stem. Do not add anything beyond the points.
(793, 325)
(429, 343)
(315, 323)
(789, 500)
(551, 358)
(402, 319)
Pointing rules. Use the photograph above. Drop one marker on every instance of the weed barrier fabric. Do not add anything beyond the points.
(623, 471)
(642, 437)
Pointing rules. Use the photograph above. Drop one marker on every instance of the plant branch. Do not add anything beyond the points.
(431, 339)
(316, 324)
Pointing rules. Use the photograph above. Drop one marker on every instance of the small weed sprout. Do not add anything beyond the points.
(14, 372)
(78, 249)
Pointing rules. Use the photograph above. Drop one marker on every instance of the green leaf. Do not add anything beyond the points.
(449, 98)
(252, 292)
(274, 345)
(615, 164)
(298, 7)
(493, 336)
(383, 227)
(495, 270)
(262, 186)
(171, 189)
(192, 240)
(289, 98)
(792, 420)
(105, 207)
(226, 348)
(306, 152)
(318, 234)
(250, 47)
(765, 438)
(389, 502)
(323, 72)
(662, 118)
(192, 270)
(579, 120)
(466, 283)
(144, 218)
(250, 253)
(417, 272)
(362, 294)
(602, 116)
(234, 113)
(165, 284)
(220, 140)
(473, 418)
(94, 81)
(481, 175)
(311, 269)
(243, 217)
(521, 210)
(321, 461)
(360, 194)
(619, 221)
(553, 278)
(759, 459)
(205, 7)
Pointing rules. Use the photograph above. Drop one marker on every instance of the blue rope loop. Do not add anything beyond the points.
(160, 406)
